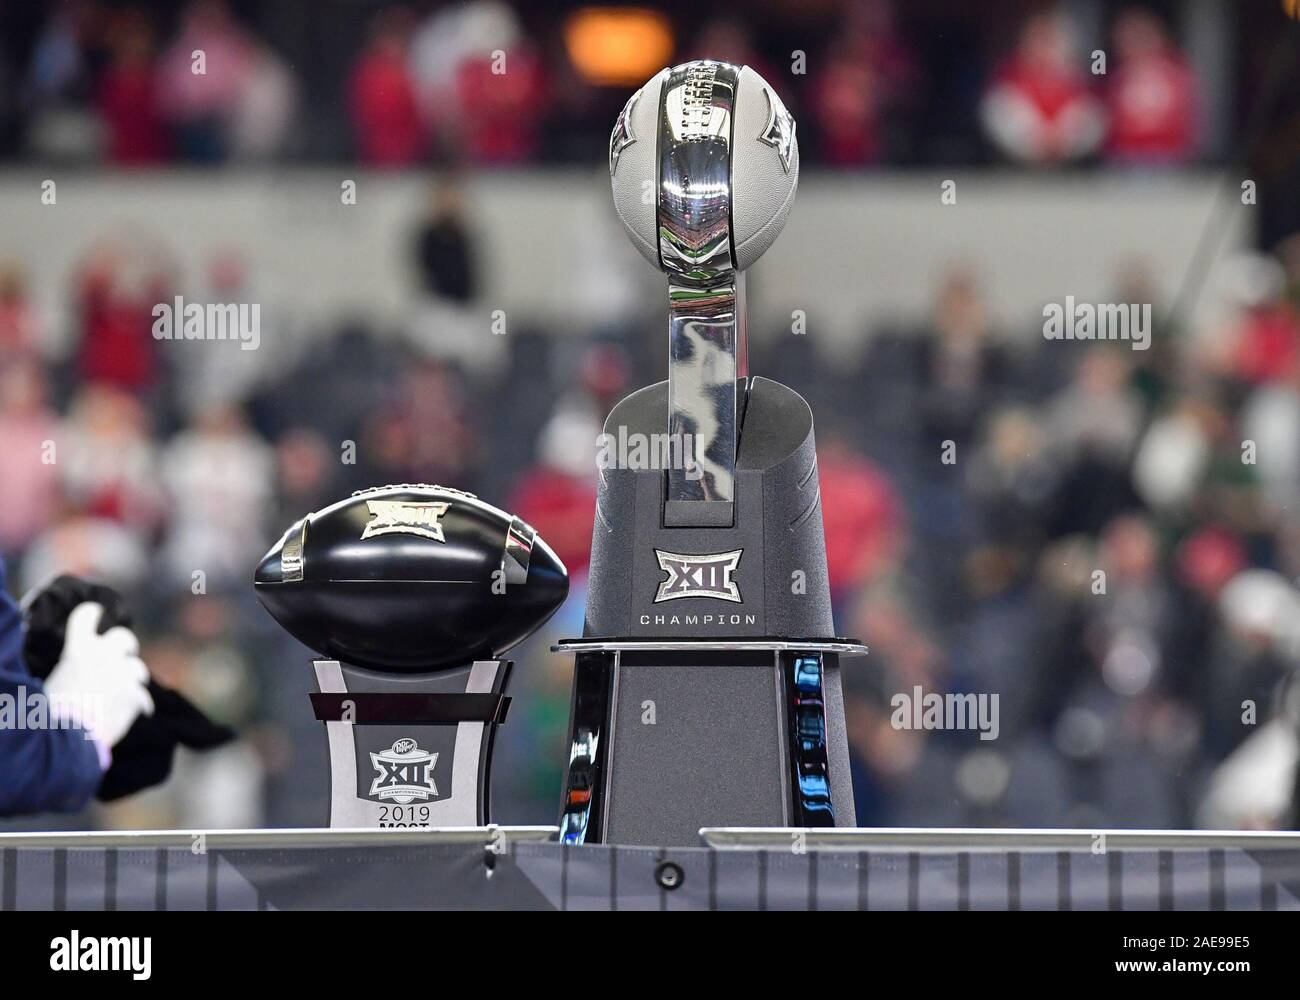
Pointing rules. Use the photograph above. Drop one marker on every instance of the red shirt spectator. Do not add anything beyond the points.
(869, 72)
(500, 110)
(861, 517)
(385, 112)
(847, 110)
(1267, 344)
(562, 509)
(128, 99)
(117, 344)
(1152, 96)
(1039, 109)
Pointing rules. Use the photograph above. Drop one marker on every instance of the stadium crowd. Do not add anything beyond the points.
(485, 83)
(975, 481)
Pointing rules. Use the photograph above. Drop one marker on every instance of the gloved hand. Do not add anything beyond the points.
(144, 756)
(100, 680)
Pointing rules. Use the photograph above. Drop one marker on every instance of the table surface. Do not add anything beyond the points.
(732, 868)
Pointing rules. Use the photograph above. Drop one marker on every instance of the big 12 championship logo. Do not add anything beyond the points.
(404, 773)
(388, 517)
(707, 574)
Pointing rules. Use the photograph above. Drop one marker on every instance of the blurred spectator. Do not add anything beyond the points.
(1264, 343)
(424, 434)
(1255, 787)
(869, 73)
(964, 366)
(19, 335)
(846, 104)
(445, 247)
(58, 70)
(1151, 97)
(116, 288)
(451, 34)
(481, 83)
(95, 547)
(1012, 479)
(1039, 110)
(305, 474)
(500, 97)
(1094, 424)
(129, 96)
(385, 115)
(1254, 655)
(445, 325)
(1271, 419)
(29, 488)
(211, 373)
(204, 74)
(1129, 627)
(218, 475)
(861, 516)
(107, 459)
(60, 80)
(1203, 564)
(261, 118)
(1174, 455)
(558, 495)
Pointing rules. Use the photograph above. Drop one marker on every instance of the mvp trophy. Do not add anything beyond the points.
(707, 683)
(411, 592)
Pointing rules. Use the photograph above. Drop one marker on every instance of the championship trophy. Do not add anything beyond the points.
(411, 593)
(707, 683)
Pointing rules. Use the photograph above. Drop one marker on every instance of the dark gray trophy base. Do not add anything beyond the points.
(697, 711)
(410, 750)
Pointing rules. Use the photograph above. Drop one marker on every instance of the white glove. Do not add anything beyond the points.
(100, 680)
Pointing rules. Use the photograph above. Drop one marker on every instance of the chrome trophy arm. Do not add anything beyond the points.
(706, 318)
(713, 147)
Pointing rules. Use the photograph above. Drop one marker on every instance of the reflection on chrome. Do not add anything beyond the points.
(702, 391)
(809, 763)
(580, 813)
(518, 552)
(705, 294)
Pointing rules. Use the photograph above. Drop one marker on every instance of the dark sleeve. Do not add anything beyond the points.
(43, 768)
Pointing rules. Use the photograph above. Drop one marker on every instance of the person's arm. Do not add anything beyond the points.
(43, 768)
(50, 768)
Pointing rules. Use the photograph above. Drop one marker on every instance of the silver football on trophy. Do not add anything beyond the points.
(739, 154)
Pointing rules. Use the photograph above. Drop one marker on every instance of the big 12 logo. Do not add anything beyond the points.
(707, 574)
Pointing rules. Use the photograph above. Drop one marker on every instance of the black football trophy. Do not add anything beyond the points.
(411, 593)
(707, 686)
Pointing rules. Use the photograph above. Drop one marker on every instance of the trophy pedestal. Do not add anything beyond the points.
(410, 750)
(707, 685)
